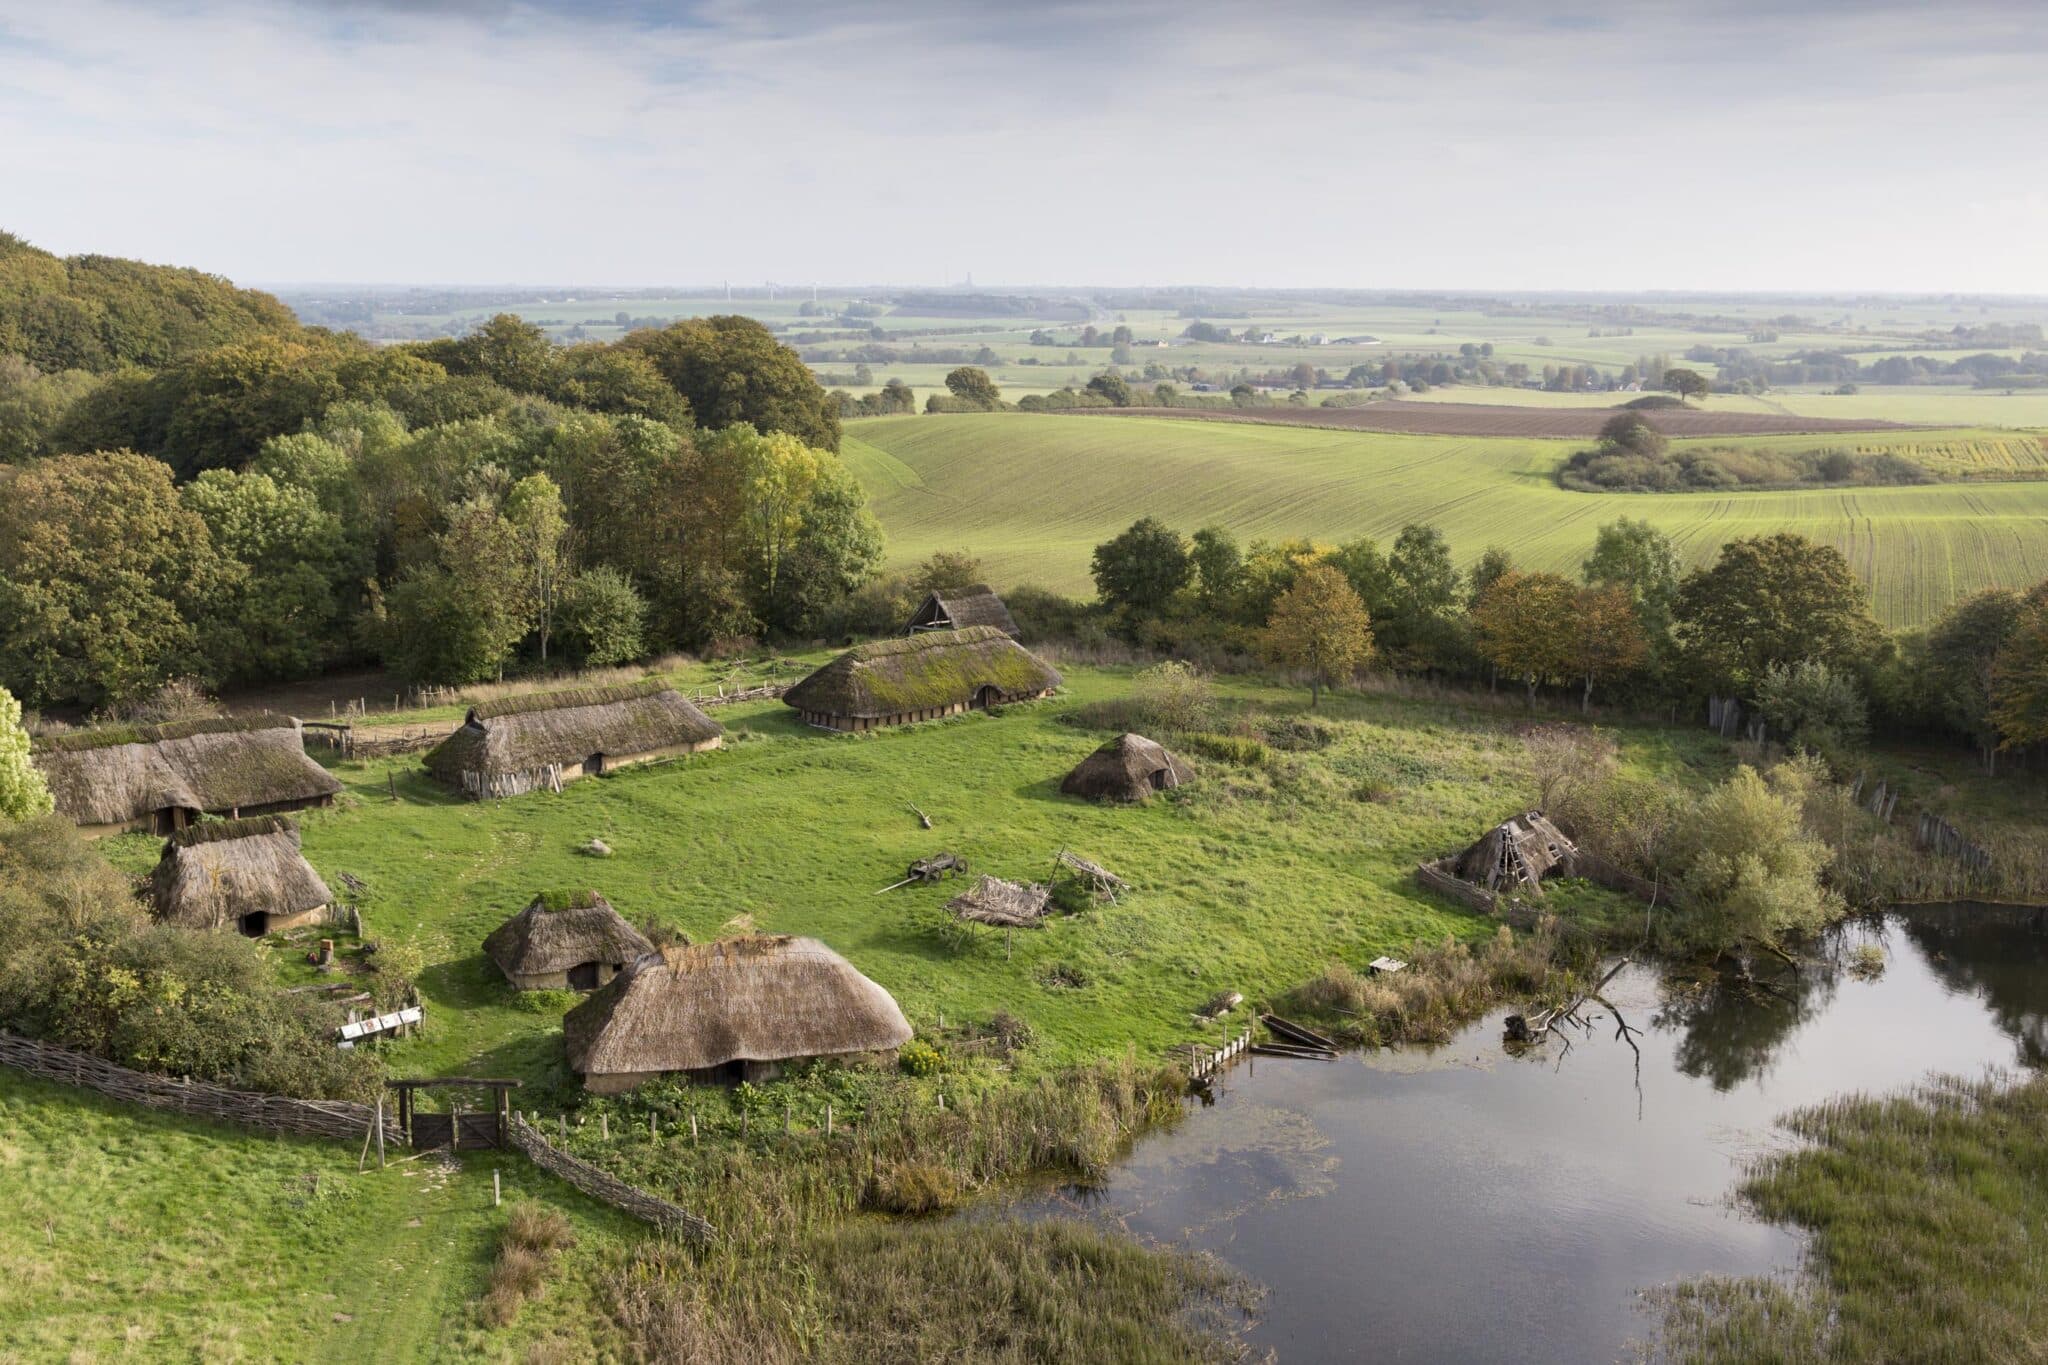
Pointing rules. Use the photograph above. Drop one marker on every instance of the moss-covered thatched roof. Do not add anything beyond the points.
(119, 775)
(760, 999)
(555, 934)
(522, 734)
(959, 608)
(935, 669)
(212, 874)
(1127, 768)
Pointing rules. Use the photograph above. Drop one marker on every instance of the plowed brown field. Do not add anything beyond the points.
(1487, 419)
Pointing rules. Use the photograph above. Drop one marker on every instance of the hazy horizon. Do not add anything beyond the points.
(1764, 148)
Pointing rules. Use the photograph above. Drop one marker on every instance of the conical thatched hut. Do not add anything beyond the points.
(1127, 768)
(161, 778)
(522, 744)
(565, 942)
(735, 1008)
(1514, 855)
(959, 608)
(936, 673)
(243, 874)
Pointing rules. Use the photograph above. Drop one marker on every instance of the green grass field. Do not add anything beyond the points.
(138, 1235)
(1032, 495)
(1253, 881)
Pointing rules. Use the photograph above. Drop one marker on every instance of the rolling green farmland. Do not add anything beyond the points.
(1033, 495)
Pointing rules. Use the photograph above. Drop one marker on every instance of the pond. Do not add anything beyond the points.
(1462, 1204)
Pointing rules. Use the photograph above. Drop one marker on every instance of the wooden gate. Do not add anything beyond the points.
(461, 1130)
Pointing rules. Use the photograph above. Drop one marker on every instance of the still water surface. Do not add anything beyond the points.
(1465, 1205)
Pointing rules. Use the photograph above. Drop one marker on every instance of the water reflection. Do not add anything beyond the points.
(1460, 1205)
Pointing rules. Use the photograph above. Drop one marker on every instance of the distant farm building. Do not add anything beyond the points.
(162, 778)
(935, 673)
(245, 874)
(735, 1009)
(1127, 768)
(522, 744)
(959, 608)
(573, 942)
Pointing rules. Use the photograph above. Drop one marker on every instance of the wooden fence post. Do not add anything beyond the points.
(497, 1196)
(828, 1119)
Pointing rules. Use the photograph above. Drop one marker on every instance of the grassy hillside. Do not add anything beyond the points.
(142, 1235)
(1251, 881)
(1032, 495)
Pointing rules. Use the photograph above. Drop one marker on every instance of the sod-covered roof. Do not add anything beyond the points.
(1127, 768)
(522, 734)
(761, 999)
(556, 933)
(212, 874)
(121, 774)
(959, 608)
(938, 668)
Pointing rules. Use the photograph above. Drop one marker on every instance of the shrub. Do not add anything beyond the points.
(546, 1002)
(1815, 706)
(920, 1058)
(1174, 697)
(1242, 750)
(1751, 870)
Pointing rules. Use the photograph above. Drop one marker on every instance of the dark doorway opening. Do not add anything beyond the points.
(1160, 778)
(985, 697)
(255, 924)
(594, 765)
(583, 977)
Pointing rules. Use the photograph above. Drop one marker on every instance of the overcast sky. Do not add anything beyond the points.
(1490, 144)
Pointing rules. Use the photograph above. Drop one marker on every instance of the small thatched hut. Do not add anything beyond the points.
(1127, 768)
(161, 778)
(736, 1009)
(243, 874)
(565, 942)
(1514, 855)
(959, 608)
(937, 673)
(522, 744)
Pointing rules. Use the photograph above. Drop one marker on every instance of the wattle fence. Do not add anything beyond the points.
(200, 1099)
(605, 1187)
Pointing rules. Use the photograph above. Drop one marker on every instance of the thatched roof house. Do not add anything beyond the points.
(244, 874)
(936, 673)
(959, 608)
(1514, 855)
(521, 744)
(161, 778)
(565, 942)
(1127, 768)
(737, 1007)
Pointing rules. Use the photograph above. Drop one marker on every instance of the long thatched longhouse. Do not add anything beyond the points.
(522, 744)
(162, 778)
(737, 1009)
(1127, 768)
(243, 874)
(959, 608)
(936, 673)
(574, 942)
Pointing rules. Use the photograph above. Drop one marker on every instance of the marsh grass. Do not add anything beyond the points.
(1445, 986)
(1928, 1212)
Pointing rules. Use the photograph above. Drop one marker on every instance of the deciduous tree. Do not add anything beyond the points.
(1321, 625)
(23, 795)
(972, 385)
(1139, 571)
(1773, 599)
(1527, 628)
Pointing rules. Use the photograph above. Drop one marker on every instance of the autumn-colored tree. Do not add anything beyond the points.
(1321, 625)
(1527, 627)
(1609, 639)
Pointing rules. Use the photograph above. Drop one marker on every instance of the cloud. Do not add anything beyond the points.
(1649, 145)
